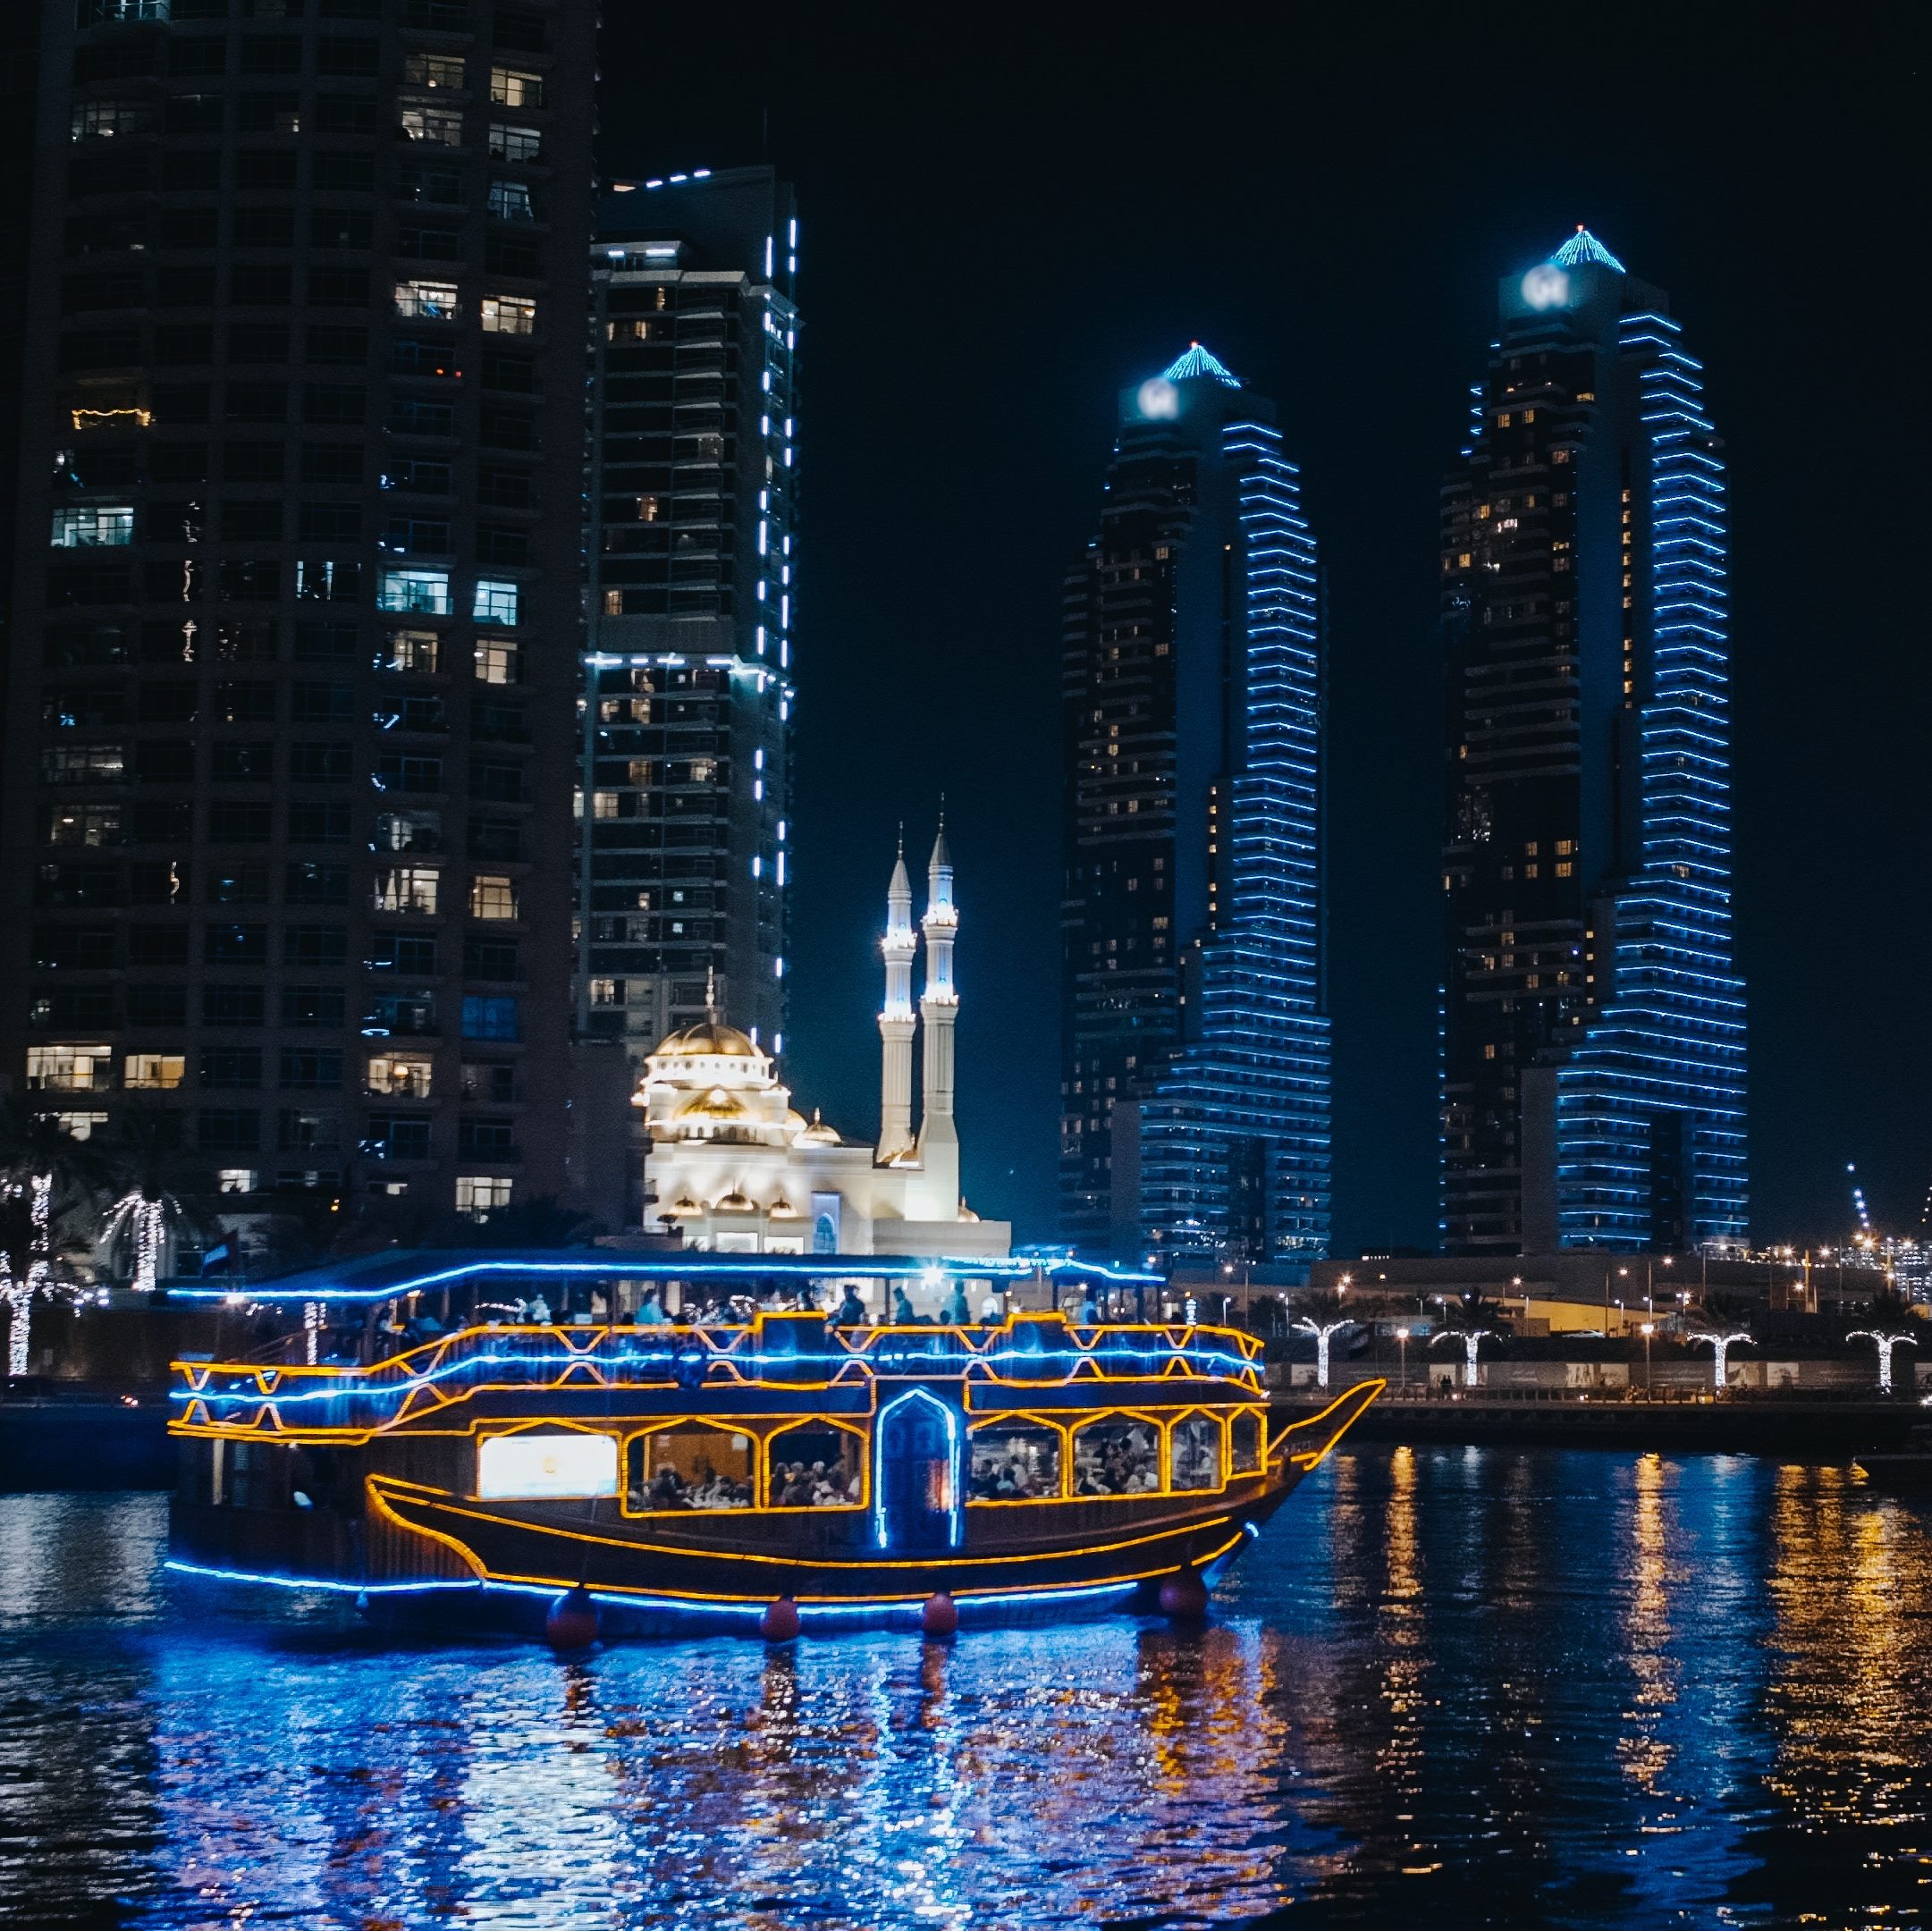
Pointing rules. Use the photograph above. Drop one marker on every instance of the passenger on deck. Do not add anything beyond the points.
(902, 1314)
(851, 1310)
(668, 1491)
(957, 1314)
(651, 1311)
(536, 1312)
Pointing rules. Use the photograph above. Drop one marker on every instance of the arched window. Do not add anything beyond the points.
(1194, 1453)
(1244, 1447)
(815, 1466)
(1116, 1457)
(1015, 1461)
(690, 1465)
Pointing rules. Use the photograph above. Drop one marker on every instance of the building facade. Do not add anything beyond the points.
(1593, 1023)
(296, 626)
(1195, 1053)
(685, 817)
(734, 1169)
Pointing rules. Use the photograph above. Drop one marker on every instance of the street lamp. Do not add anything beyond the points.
(1401, 1338)
(1649, 1329)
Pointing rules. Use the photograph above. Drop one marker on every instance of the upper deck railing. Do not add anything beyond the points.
(777, 1350)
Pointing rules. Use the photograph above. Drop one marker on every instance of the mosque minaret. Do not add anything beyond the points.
(896, 1022)
(735, 1169)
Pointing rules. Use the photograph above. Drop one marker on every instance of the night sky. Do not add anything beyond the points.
(1001, 228)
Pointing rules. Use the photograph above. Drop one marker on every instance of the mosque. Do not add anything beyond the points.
(737, 1170)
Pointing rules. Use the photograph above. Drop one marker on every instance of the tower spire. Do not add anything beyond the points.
(897, 1023)
(938, 1009)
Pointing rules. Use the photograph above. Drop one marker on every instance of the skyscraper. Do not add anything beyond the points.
(294, 643)
(1593, 1036)
(1195, 1058)
(686, 732)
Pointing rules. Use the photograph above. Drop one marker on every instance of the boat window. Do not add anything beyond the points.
(814, 1468)
(1244, 1442)
(1016, 1462)
(692, 1465)
(1196, 1454)
(1113, 1458)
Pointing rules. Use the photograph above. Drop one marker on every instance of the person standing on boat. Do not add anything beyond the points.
(902, 1314)
(958, 1313)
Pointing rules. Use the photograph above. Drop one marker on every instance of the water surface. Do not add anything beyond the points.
(1450, 1687)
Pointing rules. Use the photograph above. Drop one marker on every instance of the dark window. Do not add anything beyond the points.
(302, 1130)
(158, 1005)
(236, 945)
(229, 1129)
(345, 174)
(312, 1005)
(184, 173)
(246, 884)
(271, 53)
(169, 761)
(319, 764)
(514, 373)
(158, 881)
(317, 884)
(331, 462)
(338, 228)
(490, 958)
(239, 824)
(394, 771)
(403, 953)
(231, 1065)
(252, 522)
(328, 343)
(412, 416)
(331, 522)
(161, 822)
(253, 462)
(251, 582)
(345, 114)
(264, 228)
(275, 112)
(183, 343)
(185, 288)
(398, 1137)
(315, 642)
(258, 341)
(334, 402)
(244, 704)
(339, 288)
(78, 947)
(323, 703)
(231, 1005)
(502, 546)
(315, 945)
(256, 402)
(495, 838)
(244, 763)
(501, 784)
(311, 1066)
(158, 945)
(180, 462)
(509, 428)
(258, 284)
(339, 54)
(318, 824)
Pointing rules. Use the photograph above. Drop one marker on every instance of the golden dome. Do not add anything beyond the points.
(735, 1203)
(783, 1210)
(683, 1208)
(818, 1133)
(715, 1104)
(708, 1037)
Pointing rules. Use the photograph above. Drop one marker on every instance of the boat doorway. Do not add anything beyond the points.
(916, 1484)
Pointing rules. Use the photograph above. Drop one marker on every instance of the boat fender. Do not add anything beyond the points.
(940, 1617)
(1184, 1596)
(572, 1621)
(780, 1621)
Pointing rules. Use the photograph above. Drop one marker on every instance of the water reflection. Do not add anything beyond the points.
(1476, 1686)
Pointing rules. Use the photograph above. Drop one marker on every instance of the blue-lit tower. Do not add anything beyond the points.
(1195, 1056)
(1593, 1042)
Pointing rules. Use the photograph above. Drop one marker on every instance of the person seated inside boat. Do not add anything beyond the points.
(902, 1314)
(1088, 1313)
(851, 1310)
(1117, 1459)
(668, 1490)
(651, 1311)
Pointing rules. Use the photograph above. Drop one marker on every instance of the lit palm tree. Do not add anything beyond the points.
(28, 1242)
(149, 1210)
(38, 1157)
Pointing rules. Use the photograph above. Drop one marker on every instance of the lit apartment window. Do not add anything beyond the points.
(92, 525)
(234, 1180)
(68, 1068)
(495, 602)
(510, 200)
(154, 1072)
(411, 650)
(406, 889)
(604, 804)
(85, 824)
(434, 302)
(439, 127)
(400, 1076)
(510, 86)
(492, 896)
(433, 69)
(606, 992)
(519, 144)
(498, 663)
(477, 1194)
(1565, 867)
(509, 315)
(81, 1125)
(425, 591)
(108, 117)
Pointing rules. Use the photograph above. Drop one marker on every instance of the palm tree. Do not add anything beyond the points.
(149, 1163)
(38, 1155)
(27, 1243)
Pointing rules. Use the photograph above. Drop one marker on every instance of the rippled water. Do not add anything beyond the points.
(1456, 1687)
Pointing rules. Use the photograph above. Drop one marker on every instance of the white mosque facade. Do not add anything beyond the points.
(737, 1170)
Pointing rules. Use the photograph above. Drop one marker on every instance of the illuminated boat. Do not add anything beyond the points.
(1042, 1465)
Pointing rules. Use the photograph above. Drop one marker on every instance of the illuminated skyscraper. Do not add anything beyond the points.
(686, 749)
(1594, 1078)
(1195, 1108)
